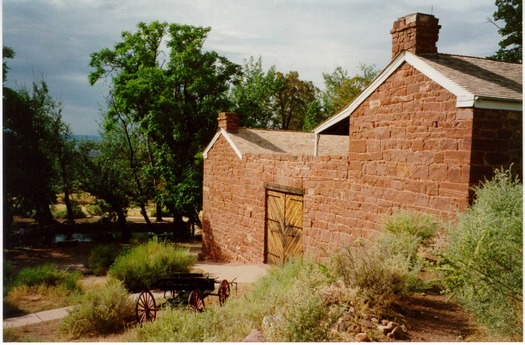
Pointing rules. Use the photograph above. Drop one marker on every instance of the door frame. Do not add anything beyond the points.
(281, 189)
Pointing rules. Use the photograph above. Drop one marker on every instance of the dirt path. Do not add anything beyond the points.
(431, 318)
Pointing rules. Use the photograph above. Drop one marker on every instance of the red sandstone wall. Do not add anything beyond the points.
(410, 148)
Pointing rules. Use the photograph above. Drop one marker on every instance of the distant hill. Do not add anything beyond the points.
(86, 137)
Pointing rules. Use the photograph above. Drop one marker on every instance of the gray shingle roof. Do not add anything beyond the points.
(278, 141)
(481, 77)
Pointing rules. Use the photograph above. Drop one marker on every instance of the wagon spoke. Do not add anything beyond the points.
(196, 302)
(224, 291)
(146, 309)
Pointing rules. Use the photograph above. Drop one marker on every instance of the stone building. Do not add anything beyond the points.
(428, 128)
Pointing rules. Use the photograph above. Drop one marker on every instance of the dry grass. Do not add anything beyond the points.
(37, 298)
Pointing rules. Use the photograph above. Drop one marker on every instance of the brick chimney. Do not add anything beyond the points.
(418, 33)
(229, 122)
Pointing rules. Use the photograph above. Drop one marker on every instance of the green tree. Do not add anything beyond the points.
(172, 95)
(340, 89)
(253, 94)
(108, 177)
(291, 101)
(33, 137)
(511, 46)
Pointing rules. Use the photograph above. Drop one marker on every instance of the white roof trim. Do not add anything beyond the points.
(228, 138)
(464, 98)
(389, 70)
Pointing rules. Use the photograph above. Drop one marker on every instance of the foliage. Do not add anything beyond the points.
(102, 257)
(99, 312)
(8, 274)
(76, 212)
(170, 98)
(511, 46)
(142, 265)
(380, 278)
(252, 95)
(341, 89)
(483, 260)
(39, 148)
(291, 100)
(107, 178)
(47, 274)
(421, 225)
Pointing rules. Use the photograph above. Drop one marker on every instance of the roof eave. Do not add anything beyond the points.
(228, 138)
(465, 99)
(398, 60)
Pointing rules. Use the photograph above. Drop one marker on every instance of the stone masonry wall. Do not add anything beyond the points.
(410, 148)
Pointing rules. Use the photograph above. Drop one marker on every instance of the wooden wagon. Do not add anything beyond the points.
(181, 289)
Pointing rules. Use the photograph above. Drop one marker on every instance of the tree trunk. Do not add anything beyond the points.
(144, 213)
(124, 230)
(178, 224)
(44, 216)
(69, 207)
(159, 212)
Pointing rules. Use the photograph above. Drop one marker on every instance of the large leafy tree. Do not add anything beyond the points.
(172, 90)
(511, 46)
(341, 89)
(291, 100)
(35, 150)
(253, 94)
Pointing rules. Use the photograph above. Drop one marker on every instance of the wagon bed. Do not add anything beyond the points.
(181, 289)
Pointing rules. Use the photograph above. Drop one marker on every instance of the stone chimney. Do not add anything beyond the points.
(418, 33)
(229, 122)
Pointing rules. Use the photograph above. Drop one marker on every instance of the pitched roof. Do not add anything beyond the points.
(248, 140)
(481, 77)
(476, 82)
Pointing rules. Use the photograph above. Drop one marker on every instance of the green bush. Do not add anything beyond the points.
(47, 274)
(380, 277)
(8, 274)
(142, 265)
(102, 257)
(483, 260)
(99, 312)
(411, 223)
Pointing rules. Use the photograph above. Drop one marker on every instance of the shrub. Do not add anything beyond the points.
(380, 278)
(411, 223)
(47, 274)
(483, 260)
(98, 312)
(8, 274)
(102, 257)
(142, 265)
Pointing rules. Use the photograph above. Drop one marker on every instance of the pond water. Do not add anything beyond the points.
(74, 238)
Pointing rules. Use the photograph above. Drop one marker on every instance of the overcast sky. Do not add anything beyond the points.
(54, 38)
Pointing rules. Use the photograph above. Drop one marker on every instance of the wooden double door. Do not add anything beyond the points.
(284, 226)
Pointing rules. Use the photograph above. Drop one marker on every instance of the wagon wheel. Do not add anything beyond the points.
(146, 309)
(196, 302)
(224, 291)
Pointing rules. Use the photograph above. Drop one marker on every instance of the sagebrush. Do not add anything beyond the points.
(482, 262)
(142, 265)
(104, 310)
(102, 257)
